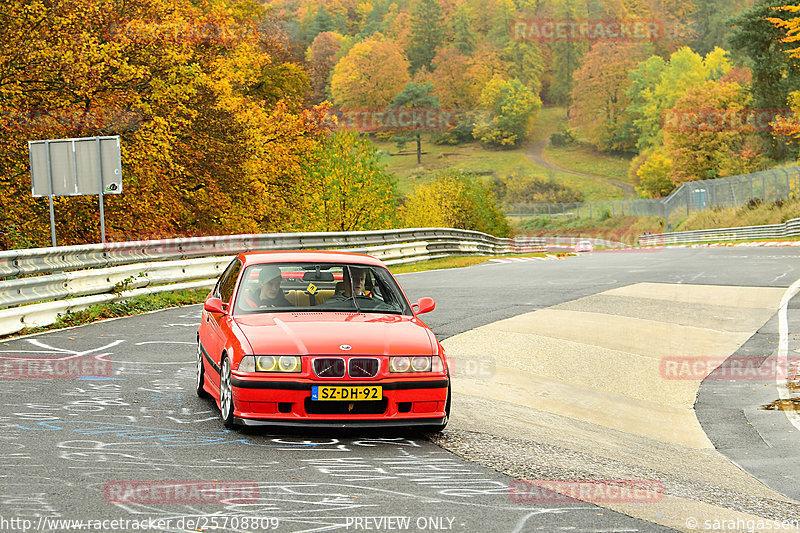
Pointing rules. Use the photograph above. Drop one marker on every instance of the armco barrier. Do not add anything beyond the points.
(790, 228)
(41, 260)
(71, 278)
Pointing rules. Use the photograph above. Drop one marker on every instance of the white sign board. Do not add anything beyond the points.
(76, 166)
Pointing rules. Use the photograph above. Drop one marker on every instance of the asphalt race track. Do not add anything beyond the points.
(72, 447)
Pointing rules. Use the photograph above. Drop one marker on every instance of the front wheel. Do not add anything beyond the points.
(201, 373)
(226, 394)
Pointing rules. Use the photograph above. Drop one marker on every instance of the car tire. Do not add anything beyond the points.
(226, 394)
(200, 374)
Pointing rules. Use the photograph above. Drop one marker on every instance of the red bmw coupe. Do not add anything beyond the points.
(319, 339)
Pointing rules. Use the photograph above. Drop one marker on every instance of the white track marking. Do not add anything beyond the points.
(781, 381)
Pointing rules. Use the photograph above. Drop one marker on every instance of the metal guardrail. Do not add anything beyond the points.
(67, 279)
(790, 228)
(40, 260)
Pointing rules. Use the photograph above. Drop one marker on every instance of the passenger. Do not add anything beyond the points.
(268, 293)
(350, 286)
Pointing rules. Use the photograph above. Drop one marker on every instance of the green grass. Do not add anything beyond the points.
(489, 163)
(584, 158)
(471, 157)
(549, 121)
(593, 189)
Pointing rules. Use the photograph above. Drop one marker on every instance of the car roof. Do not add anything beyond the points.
(307, 256)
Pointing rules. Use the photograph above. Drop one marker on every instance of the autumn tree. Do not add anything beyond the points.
(708, 133)
(654, 175)
(459, 79)
(455, 200)
(349, 188)
(427, 33)
(657, 85)
(510, 110)
(370, 75)
(321, 58)
(600, 96)
(202, 152)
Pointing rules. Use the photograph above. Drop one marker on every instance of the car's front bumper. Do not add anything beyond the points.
(404, 403)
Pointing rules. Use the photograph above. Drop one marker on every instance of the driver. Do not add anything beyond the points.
(268, 293)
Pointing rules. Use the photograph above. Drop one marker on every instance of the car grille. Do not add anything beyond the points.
(370, 407)
(329, 367)
(363, 368)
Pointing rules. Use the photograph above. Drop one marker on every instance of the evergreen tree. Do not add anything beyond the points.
(322, 21)
(416, 96)
(427, 34)
(464, 38)
(775, 72)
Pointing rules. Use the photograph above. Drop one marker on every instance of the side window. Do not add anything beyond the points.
(228, 281)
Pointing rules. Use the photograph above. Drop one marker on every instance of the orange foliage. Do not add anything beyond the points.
(370, 75)
(204, 150)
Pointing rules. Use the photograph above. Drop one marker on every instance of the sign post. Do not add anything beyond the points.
(74, 167)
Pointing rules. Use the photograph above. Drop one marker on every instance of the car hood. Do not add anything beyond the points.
(325, 333)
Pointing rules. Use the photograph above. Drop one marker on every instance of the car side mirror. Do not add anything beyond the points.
(424, 305)
(214, 305)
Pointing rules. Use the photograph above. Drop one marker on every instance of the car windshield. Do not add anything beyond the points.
(289, 287)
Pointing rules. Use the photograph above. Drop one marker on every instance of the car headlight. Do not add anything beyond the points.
(289, 363)
(415, 364)
(266, 363)
(270, 363)
(399, 364)
(421, 364)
